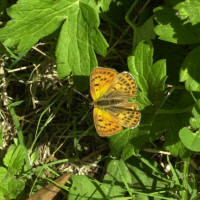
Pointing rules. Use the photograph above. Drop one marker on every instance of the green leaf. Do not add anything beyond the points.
(15, 158)
(191, 139)
(133, 173)
(158, 127)
(144, 32)
(79, 35)
(85, 187)
(172, 141)
(16, 103)
(149, 77)
(139, 65)
(34, 156)
(170, 27)
(189, 70)
(3, 191)
(189, 10)
(3, 172)
(8, 155)
(127, 143)
(34, 20)
(14, 187)
(195, 121)
(118, 142)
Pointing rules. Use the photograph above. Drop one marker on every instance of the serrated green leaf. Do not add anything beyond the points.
(8, 176)
(79, 35)
(3, 172)
(33, 20)
(189, 70)
(149, 77)
(8, 155)
(15, 187)
(189, 10)
(15, 158)
(140, 65)
(3, 191)
(170, 27)
(91, 188)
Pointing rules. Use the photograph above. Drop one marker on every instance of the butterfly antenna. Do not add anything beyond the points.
(82, 95)
(85, 115)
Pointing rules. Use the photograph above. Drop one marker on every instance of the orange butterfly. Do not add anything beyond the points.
(110, 92)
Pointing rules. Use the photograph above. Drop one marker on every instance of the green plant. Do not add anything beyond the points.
(163, 56)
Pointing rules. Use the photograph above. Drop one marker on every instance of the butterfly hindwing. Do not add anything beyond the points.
(104, 123)
(126, 115)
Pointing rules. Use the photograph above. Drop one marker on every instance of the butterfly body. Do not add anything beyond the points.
(103, 103)
(110, 92)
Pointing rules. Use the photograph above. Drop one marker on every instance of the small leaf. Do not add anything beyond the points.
(15, 187)
(190, 140)
(15, 158)
(189, 70)
(195, 121)
(34, 156)
(16, 103)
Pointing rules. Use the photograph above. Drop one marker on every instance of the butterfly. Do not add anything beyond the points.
(110, 93)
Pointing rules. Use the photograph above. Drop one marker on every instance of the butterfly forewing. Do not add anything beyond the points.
(123, 86)
(104, 123)
(100, 80)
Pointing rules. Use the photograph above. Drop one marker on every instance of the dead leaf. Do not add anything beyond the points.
(50, 190)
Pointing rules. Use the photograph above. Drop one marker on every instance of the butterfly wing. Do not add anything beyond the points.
(126, 115)
(100, 80)
(123, 86)
(105, 124)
